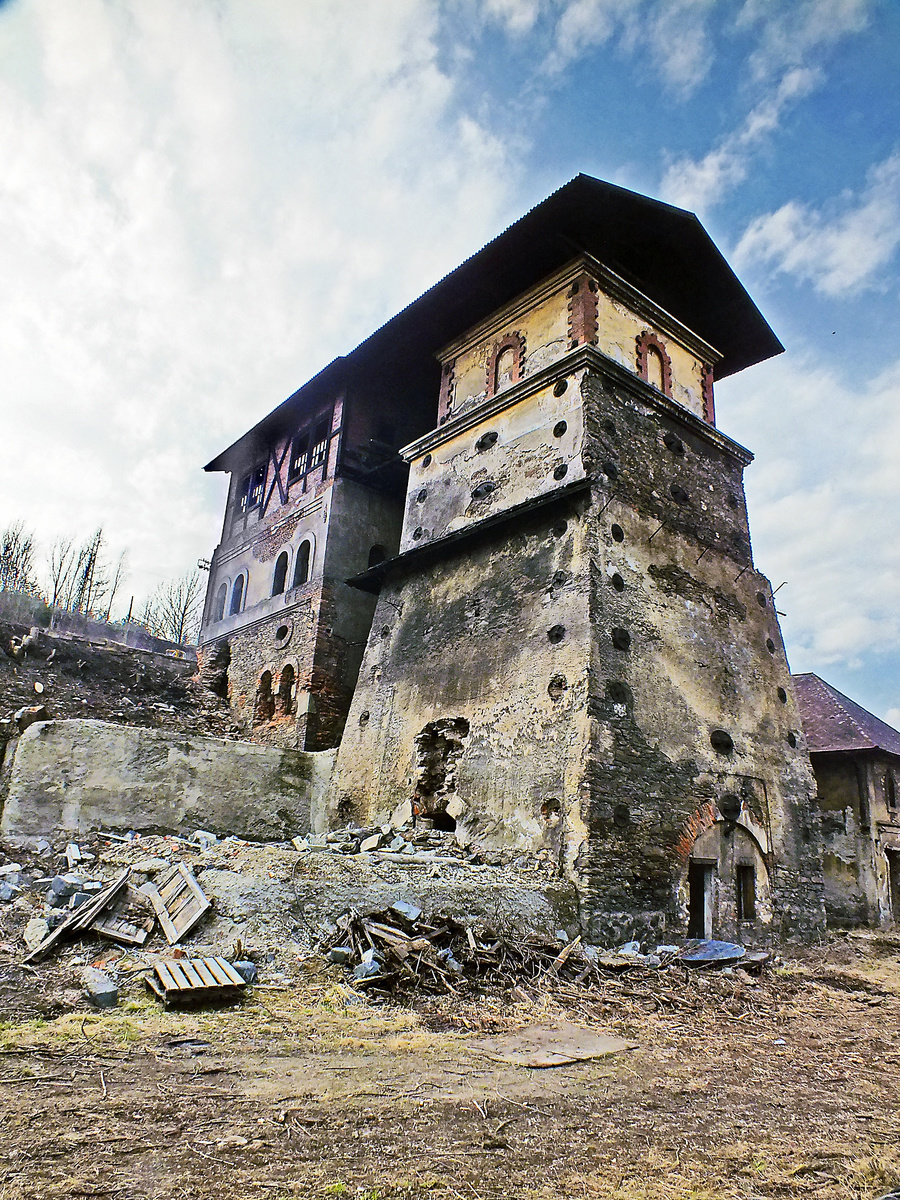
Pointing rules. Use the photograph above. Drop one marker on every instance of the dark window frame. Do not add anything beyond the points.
(745, 891)
(251, 490)
(311, 447)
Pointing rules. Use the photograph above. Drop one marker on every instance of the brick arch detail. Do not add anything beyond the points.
(512, 341)
(709, 406)
(644, 342)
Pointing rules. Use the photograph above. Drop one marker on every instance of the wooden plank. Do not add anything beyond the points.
(209, 980)
(221, 978)
(191, 972)
(168, 982)
(178, 975)
(229, 971)
(176, 914)
(120, 930)
(80, 916)
(162, 916)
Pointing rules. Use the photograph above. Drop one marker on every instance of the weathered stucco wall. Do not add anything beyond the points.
(75, 775)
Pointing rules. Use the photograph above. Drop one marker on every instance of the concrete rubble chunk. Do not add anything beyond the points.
(406, 912)
(10, 869)
(101, 990)
(8, 891)
(370, 843)
(35, 932)
(26, 717)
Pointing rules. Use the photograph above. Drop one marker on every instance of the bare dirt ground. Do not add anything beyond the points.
(782, 1086)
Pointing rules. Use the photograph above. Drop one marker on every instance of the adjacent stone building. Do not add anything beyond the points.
(571, 650)
(856, 761)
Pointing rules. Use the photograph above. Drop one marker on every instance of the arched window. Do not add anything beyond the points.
(504, 363)
(301, 566)
(286, 691)
(237, 595)
(265, 701)
(655, 373)
(377, 555)
(218, 611)
(280, 577)
(653, 362)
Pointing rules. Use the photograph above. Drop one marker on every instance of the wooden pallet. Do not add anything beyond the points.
(178, 901)
(189, 981)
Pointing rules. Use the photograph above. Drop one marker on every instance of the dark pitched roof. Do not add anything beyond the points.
(663, 251)
(832, 721)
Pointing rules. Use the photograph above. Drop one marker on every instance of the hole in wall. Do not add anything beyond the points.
(557, 686)
(618, 692)
(761, 599)
(621, 816)
(561, 471)
(484, 489)
(721, 741)
(426, 461)
(486, 441)
(281, 633)
(556, 634)
(417, 533)
(559, 578)
(438, 748)
(609, 427)
(621, 638)
(730, 806)
(610, 470)
(558, 388)
(678, 494)
(385, 631)
(792, 740)
(618, 533)
(732, 500)
(551, 811)
(422, 497)
(559, 528)
(618, 582)
(782, 695)
(363, 719)
(770, 645)
(443, 821)
(673, 443)
(559, 428)
(345, 810)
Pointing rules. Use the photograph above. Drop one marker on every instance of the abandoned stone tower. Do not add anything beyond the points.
(499, 555)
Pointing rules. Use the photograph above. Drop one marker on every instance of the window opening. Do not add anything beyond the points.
(377, 555)
(506, 361)
(655, 373)
(250, 493)
(279, 579)
(745, 879)
(219, 606)
(286, 691)
(890, 792)
(318, 450)
(700, 892)
(301, 566)
(237, 595)
(265, 701)
(299, 451)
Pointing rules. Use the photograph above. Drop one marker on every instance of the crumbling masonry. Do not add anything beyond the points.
(499, 554)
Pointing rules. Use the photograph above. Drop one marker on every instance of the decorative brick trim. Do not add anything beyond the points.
(583, 312)
(701, 819)
(645, 341)
(512, 341)
(709, 406)
(448, 381)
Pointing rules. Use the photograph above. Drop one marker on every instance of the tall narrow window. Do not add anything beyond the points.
(299, 452)
(265, 700)
(318, 449)
(301, 567)
(506, 363)
(377, 555)
(218, 611)
(286, 691)
(250, 493)
(655, 372)
(745, 879)
(280, 577)
(890, 792)
(237, 595)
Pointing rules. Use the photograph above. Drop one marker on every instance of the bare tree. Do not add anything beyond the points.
(173, 611)
(115, 583)
(60, 566)
(17, 559)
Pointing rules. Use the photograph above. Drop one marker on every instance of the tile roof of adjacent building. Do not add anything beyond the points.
(832, 721)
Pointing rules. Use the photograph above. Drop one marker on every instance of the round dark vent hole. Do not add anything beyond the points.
(559, 578)
(732, 500)
(484, 489)
(609, 428)
(610, 470)
(674, 444)
(730, 807)
(559, 428)
(770, 645)
(621, 816)
(417, 533)
(426, 461)
(557, 686)
(486, 441)
(761, 599)
(618, 692)
(559, 528)
(618, 533)
(363, 719)
(782, 695)
(558, 388)
(556, 634)
(791, 740)
(621, 638)
(561, 471)
(618, 582)
(550, 811)
(678, 494)
(422, 497)
(281, 633)
(385, 631)
(721, 741)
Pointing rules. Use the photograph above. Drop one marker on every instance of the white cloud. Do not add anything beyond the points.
(839, 255)
(790, 33)
(700, 183)
(823, 497)
(892, 716)
(200, 206)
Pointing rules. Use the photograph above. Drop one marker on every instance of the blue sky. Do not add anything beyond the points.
(204, 201)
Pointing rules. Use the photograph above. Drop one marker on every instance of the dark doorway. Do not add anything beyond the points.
(700, 886)
(893, 857)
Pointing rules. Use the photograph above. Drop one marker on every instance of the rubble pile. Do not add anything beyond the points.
(397, 951)
(418, 844)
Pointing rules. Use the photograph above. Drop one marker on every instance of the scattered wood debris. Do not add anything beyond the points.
(179, 902)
